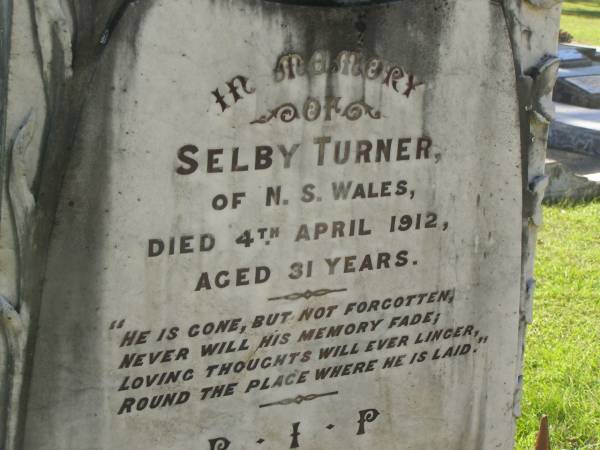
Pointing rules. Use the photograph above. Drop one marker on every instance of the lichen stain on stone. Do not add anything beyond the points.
(80, 106)
(353, 27)
(385, 30)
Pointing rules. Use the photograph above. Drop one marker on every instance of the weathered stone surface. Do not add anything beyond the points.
(248, 224)
(573, 176)
(566, 186)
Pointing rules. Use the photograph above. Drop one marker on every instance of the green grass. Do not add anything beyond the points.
(562, 357)
(581, 18)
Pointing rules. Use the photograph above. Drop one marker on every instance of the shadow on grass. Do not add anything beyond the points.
(571, 204)
(580, 13)
(582, 8)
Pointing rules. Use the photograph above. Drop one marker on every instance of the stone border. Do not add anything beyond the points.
(576, 139)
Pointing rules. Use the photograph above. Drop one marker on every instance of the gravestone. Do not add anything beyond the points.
(582, 91)
(571, 56)
(251, 224)
(576, 125)
(580, 84)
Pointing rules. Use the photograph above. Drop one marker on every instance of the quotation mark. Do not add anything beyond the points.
(115, 325)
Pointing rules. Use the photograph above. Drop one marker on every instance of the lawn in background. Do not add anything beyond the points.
(581, 18)
(562, 356)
